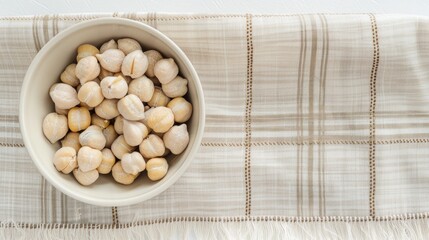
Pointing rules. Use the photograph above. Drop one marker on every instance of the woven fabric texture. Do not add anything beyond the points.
(309, 118)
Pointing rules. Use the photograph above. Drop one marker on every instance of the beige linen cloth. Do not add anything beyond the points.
(317, 127)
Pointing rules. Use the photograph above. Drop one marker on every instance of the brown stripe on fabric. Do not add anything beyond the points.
(53, 205)
(336, 126)
(12, 128)
(66, 208)
(248, 114)
(298, 90)
(301, 130)
(325, 138)
(285, 219)
(15, 140)
(115, 219)
(373, 90)
(299, 122)
(216, 129)
(321, 124)
(402, 136)
(63, 209)
(54, 19)
(320, 154)
(220, 119)
(223, 140)
(45, 29)
(325, 21)
(345, 115)
(310, 122)
(155, 20)
(127, 15)
(42, 201)
(56, 29)
(45, 201)
(9, 118)
(36, 33)
(415, 125)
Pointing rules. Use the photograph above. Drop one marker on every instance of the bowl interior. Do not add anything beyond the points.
(36, 103)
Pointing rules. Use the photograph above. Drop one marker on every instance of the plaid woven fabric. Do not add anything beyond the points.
(308, 117)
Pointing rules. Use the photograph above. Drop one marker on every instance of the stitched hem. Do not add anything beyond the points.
(248, 116)
(346, 219)
(81, 17)
(115, 219)
(373, 89)
(286, 143)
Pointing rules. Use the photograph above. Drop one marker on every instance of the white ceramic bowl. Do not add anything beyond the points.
(35, 103)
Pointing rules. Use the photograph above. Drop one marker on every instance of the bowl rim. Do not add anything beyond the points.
(199, 91)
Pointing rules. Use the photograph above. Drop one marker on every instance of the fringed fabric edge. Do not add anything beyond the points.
(396, 229)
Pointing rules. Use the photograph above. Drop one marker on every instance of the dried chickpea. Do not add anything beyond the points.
(110, 135)
(79, 119)
(158, 98)
(107, 161)
(101, 122)
(65, 160)
(54, 127)
(90, 94)
(86, 50)
(71, 140)
(156, 168)
(121, 176)
(181, 109)
(107, 109)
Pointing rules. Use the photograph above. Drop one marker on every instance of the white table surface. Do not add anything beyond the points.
(31, 7)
